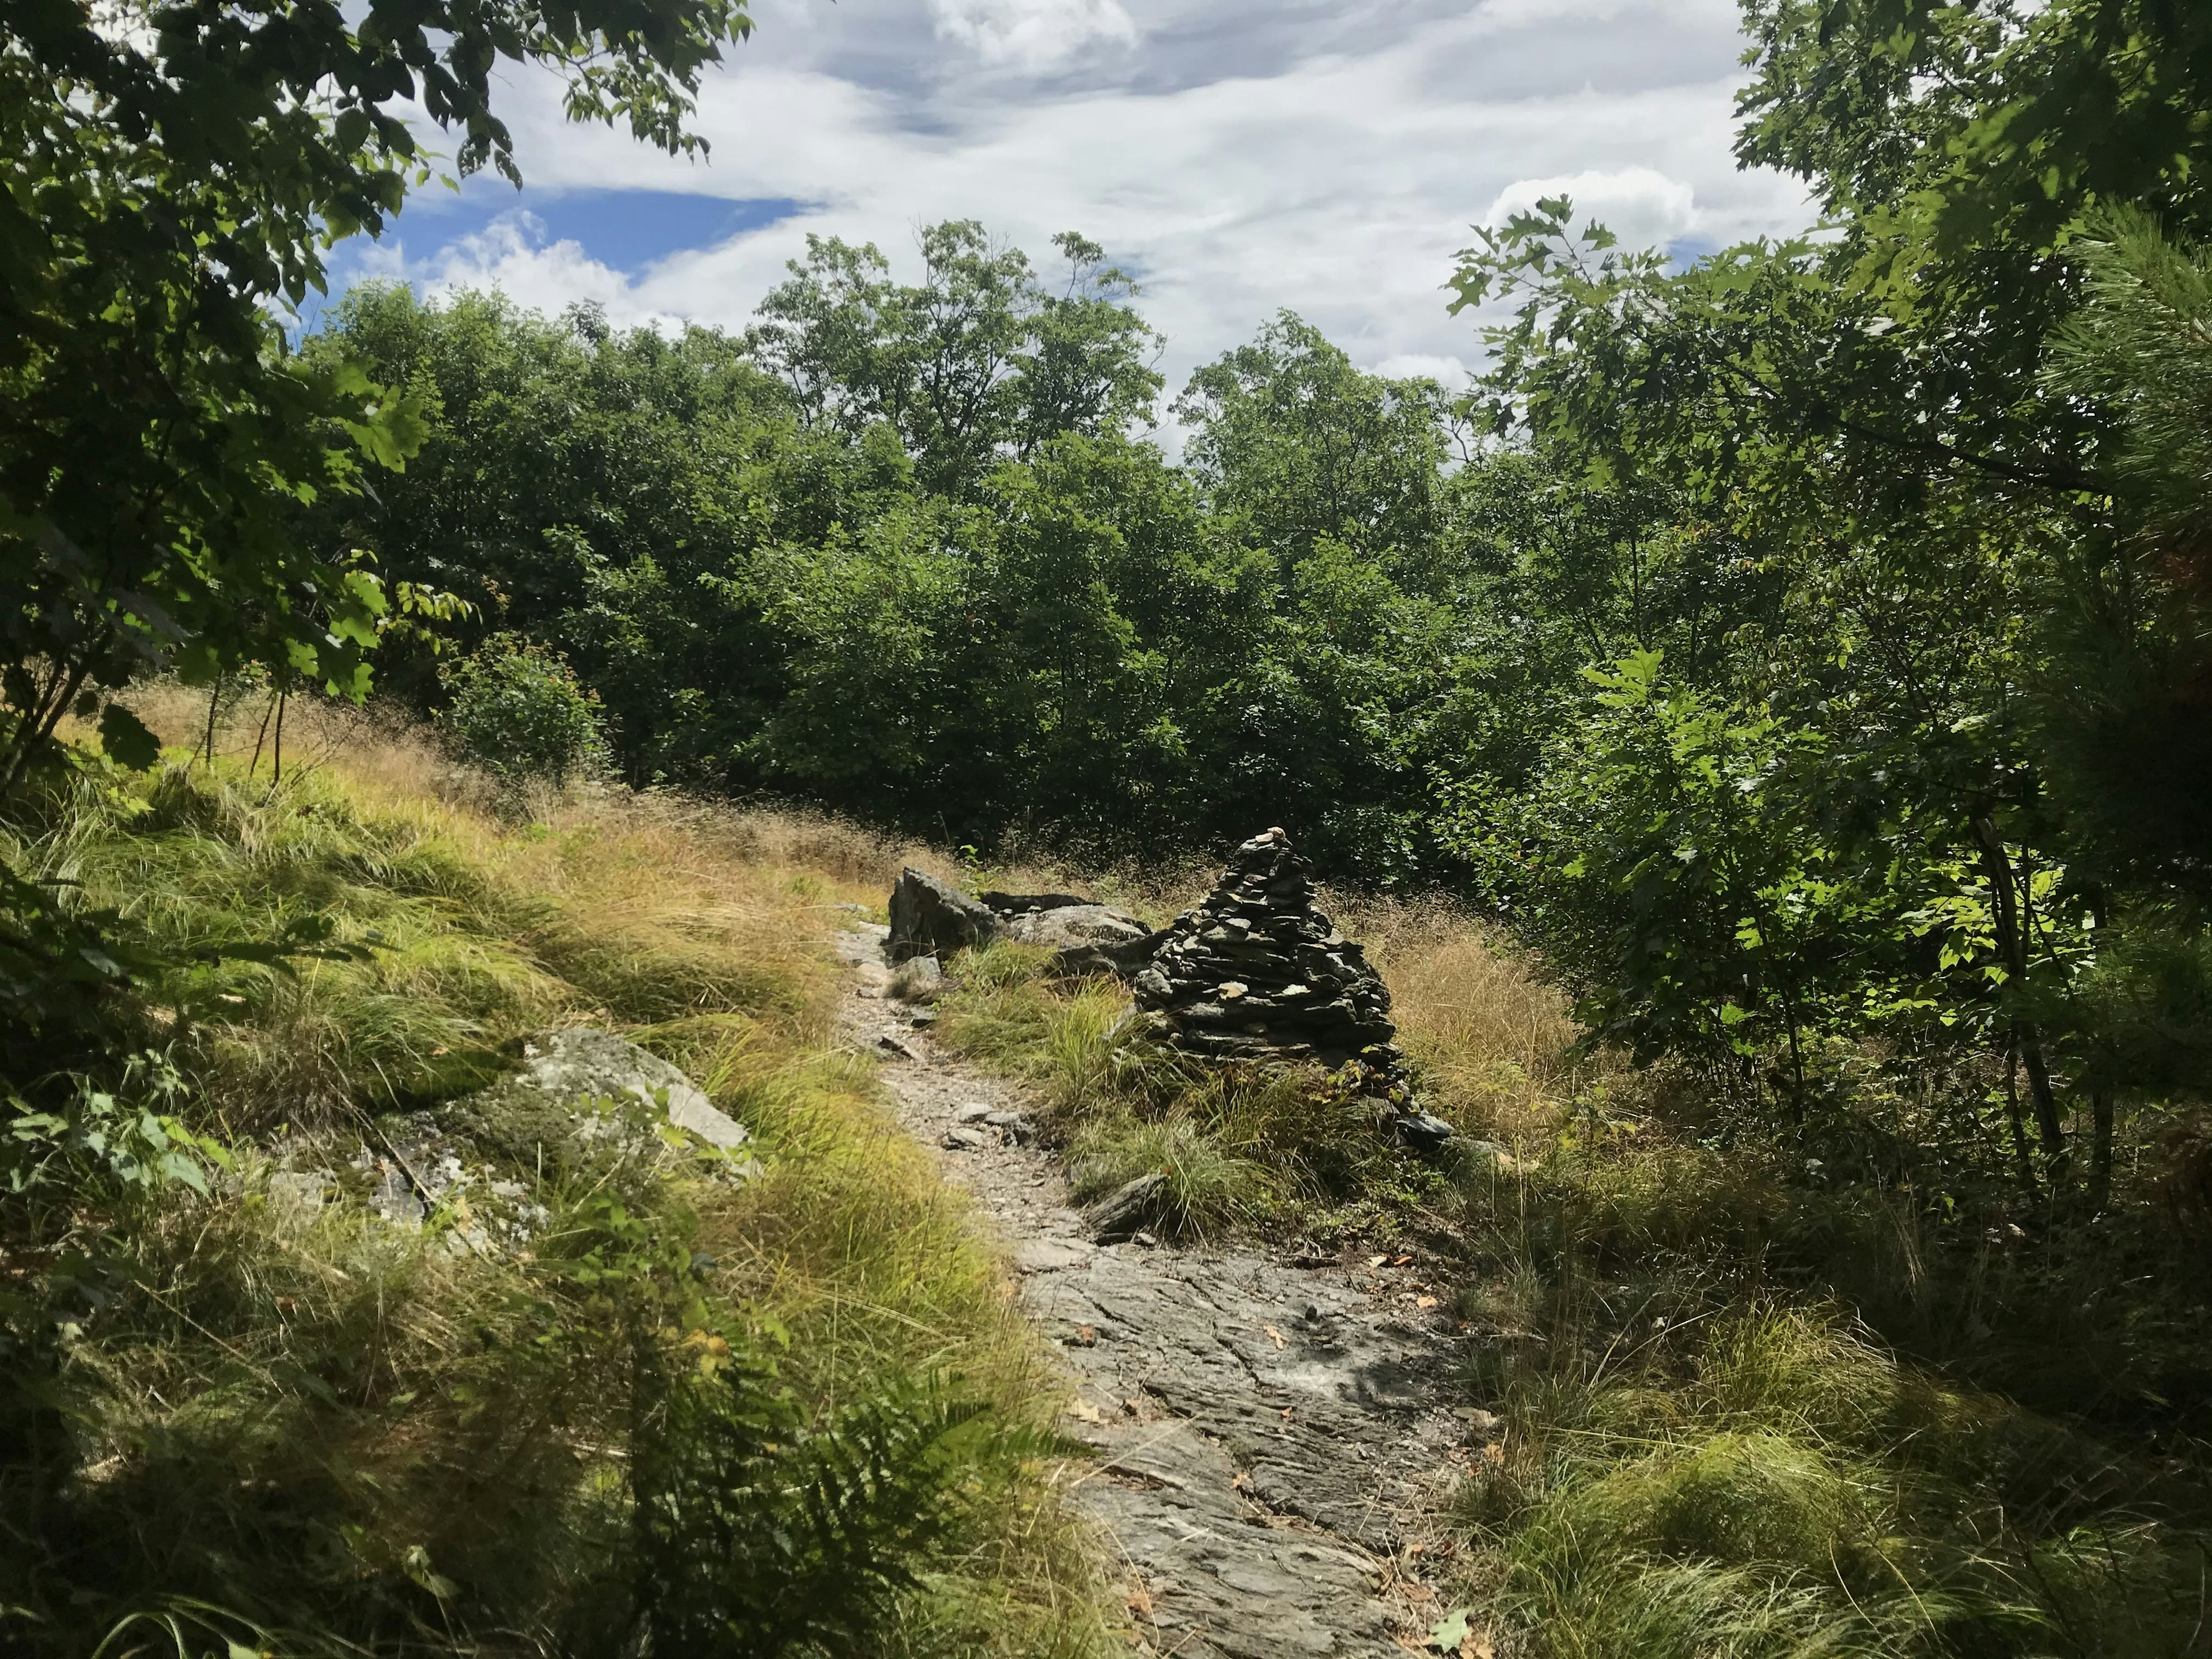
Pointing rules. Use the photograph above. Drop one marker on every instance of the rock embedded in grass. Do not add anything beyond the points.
(570, 1077)
(931, 917)
(1123, 1213)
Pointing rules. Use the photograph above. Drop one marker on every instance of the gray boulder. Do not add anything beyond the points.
(568, 1071)
(1125, 1212)
(933, 918)
(1086, 938)
(1078, 924)
(1012, 904)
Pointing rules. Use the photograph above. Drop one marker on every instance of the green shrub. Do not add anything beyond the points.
(517, 710)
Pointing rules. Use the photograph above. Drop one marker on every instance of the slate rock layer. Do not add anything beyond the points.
(1257, 973)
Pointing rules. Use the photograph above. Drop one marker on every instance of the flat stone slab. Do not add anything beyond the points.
(1270, 1436)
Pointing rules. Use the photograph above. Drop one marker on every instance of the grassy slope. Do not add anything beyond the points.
(1714, 1444)
(361, 1439)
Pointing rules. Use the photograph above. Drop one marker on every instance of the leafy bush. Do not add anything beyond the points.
(517, 708)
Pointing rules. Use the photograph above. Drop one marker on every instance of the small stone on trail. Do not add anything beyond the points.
(973, 1114)
(969, 1140)
(1148, 1241)
(892, 1045)
(1124, 1211)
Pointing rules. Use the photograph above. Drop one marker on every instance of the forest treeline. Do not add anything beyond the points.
(1802, 644)
(1799, 652)
(913, 551)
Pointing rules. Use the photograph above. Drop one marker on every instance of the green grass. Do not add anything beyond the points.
(1760, 1394)
(1283, 1149)
(239, 1417)
(1748, 1408)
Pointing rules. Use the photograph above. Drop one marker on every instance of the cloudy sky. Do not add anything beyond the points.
(1239, 156)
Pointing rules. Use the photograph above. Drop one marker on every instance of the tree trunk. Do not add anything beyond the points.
(2100, 1146)
(2019, 1123)
(2012, 946)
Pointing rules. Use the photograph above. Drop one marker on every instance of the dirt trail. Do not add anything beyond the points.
(1270, 1432)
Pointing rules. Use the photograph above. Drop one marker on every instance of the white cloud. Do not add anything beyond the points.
(1032, 34)
(1643, 207)
(1238, 172)
(1449, 373)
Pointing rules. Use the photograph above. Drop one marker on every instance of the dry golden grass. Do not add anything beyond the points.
(704, 931)
(1491, 1037)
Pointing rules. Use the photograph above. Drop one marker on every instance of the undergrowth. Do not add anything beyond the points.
(1749, 1395)
(786, 1414)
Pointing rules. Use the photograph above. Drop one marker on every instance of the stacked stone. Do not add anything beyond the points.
(1257, 973)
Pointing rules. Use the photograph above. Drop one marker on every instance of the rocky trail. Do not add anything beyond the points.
(1272, 1433)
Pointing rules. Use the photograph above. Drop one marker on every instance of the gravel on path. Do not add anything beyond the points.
(1271, 1434)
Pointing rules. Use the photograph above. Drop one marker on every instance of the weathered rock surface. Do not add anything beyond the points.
(932, 917)
(1270, 1436)
(1078, 924)
(571, 1069)
(1125, 1212)
(1087, 937)
(449, 1160)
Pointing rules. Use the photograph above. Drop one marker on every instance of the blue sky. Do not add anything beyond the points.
(1244, 156)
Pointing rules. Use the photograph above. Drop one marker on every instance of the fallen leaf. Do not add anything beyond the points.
(1130, 1407)
(1140, 1600)
(1377, 1261)
(1412, 1550)
(1450, 1631)
(1401, 1261)
(1237, 1480)
(1085, 1336)
(1417, 1592)
(1476, 1646)
(1083, 1408)
(1424, 1302)
(1286, 1413)
(1281, 1341)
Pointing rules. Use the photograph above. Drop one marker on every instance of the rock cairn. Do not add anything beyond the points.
(1257, 973)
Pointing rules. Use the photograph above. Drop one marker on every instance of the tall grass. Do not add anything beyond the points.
(1751, 1402)
(303, 1429)
(1751, 1409)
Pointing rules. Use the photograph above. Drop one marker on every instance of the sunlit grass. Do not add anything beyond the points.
(346, 1433)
